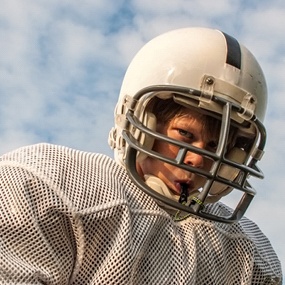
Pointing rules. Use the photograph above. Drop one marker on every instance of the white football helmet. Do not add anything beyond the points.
(208, 70)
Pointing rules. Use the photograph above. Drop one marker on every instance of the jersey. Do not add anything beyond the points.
(73, 217)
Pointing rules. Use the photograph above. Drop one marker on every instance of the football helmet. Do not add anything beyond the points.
(204, 69)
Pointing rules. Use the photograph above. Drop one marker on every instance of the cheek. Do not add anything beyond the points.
(155, 166)
(150, 166)
(165, 149)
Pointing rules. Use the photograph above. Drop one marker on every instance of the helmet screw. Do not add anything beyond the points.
(209, 80)
(252, 100)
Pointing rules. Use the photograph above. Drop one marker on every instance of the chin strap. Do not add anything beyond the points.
(159, 186)
(230, 173)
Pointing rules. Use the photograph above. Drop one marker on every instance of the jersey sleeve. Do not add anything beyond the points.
(37, 244)
(65, 218)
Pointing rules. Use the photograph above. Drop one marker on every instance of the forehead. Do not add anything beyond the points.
(167, 111)
(190, 116)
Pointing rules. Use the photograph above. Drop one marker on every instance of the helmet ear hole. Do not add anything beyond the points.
(149, 120)
(228, 172)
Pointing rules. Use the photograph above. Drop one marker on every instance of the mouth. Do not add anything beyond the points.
(183, 185)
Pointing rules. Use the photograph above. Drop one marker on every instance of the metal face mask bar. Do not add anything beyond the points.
(218, 157)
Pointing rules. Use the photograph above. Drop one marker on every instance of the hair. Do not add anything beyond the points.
(167, 110)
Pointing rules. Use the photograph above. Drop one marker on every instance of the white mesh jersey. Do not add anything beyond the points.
(71, 217)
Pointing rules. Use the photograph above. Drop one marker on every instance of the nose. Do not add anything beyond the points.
(195, 159)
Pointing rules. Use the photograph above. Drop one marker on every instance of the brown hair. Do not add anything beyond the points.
(167, 110)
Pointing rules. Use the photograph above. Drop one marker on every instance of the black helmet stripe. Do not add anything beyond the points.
(234, 53)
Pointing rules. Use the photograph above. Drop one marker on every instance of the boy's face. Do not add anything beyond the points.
(189, 128)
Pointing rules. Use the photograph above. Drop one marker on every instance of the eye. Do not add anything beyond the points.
(185, 134)
(212, 145)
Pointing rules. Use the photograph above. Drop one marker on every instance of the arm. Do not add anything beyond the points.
(37, 245)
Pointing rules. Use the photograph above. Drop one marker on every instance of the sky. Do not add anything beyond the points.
(62, 64)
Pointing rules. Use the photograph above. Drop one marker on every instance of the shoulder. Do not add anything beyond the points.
(245, 228)
(85, 179)
(42, 152)
(242, 241)
(45, 158)
(75, 173)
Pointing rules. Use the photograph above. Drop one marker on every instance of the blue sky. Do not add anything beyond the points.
(62, 63)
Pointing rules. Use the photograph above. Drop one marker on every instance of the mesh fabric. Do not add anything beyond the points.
(71, 217)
